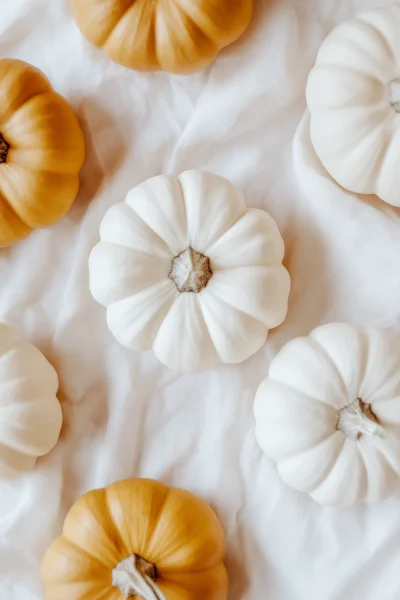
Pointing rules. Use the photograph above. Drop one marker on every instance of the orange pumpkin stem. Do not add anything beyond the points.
(135, 576)
(4, 147)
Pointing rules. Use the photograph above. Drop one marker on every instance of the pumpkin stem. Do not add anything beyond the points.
(4, 147)
(394, 87)
(135, 576)
(357, 419)
(190, 271)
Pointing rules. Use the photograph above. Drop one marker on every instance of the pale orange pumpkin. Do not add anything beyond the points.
(181, 36)
(41, 152)
(137, 538)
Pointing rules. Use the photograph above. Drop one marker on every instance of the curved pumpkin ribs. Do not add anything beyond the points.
(42, 150)
(353, 96)
(181, 36)
(31, 415)
(138, 538)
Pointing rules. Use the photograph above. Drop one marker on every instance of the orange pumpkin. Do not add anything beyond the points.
(181, 36)
(41, 152)
(137, 538)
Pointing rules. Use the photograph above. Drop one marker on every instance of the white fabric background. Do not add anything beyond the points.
(125, 414)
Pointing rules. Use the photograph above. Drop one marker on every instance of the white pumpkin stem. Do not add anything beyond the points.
(135, 576)
(394, 87)
(190, 271)
(357, 419)
(4, 147)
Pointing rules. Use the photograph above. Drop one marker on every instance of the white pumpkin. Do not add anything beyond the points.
(329, 414)
(353, 95)
(185, 268)
(30, 414)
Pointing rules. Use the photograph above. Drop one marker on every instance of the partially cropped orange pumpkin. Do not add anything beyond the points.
(137, 539)
(42, 150)
(181, 36)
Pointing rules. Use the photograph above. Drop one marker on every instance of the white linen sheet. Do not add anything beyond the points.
(127, 415)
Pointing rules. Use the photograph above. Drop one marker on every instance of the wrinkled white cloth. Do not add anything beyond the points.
(127, 415)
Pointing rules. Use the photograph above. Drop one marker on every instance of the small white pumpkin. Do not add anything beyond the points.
(185, 268)
(329, 414)
(30, 414)
(353, 95)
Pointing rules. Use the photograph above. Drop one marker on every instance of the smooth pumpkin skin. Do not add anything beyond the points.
(30, 413)
(180, 36)
(40, 178)
(310, 422)
(171, 528)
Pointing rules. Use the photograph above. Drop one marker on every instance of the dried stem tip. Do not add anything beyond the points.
(190, 271)
(357, 419)
(136, 576)
(4, 147)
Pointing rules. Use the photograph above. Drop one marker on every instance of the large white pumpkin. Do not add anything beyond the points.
(185, 268)
(329, 414)
(30, 414)
(353, 94)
